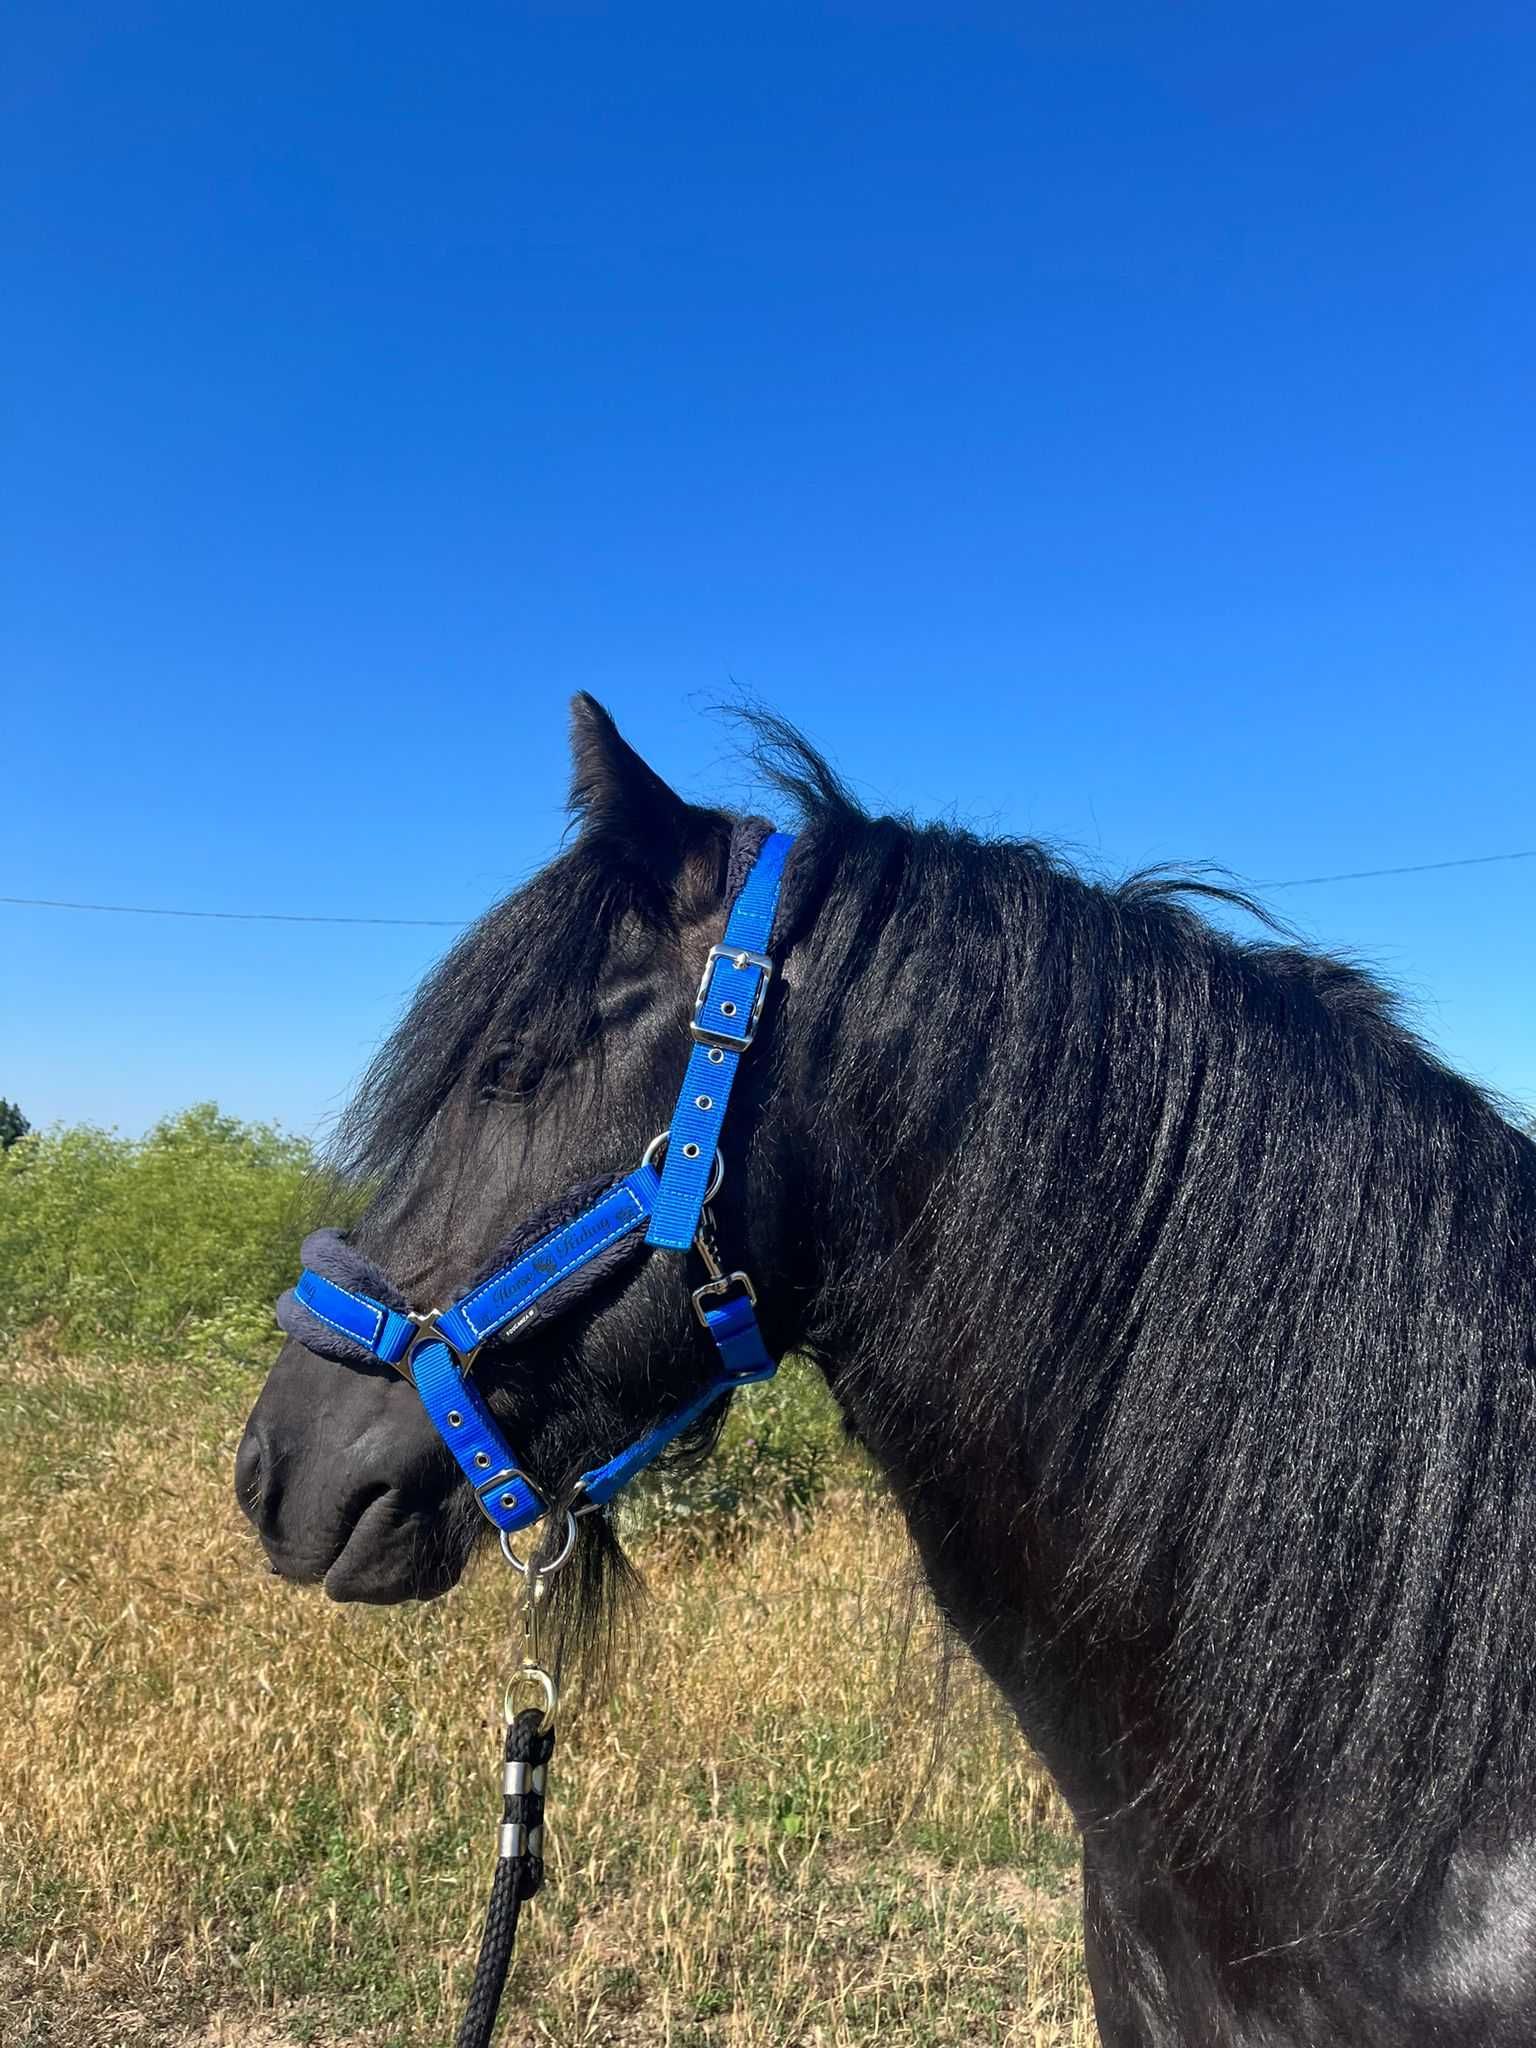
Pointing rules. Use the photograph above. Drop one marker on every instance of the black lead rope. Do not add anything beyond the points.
(519, 1866)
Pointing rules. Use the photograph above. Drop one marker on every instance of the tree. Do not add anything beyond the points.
(13, 1124)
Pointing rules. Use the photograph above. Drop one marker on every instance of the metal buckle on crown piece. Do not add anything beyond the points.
(712, 1034)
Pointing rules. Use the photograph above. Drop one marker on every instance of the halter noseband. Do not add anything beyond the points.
(346, 1308)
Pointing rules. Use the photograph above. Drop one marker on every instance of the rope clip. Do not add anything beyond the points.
(529, 1673)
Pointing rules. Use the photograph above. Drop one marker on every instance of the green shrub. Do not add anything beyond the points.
(180, 1238)
(782, 1446)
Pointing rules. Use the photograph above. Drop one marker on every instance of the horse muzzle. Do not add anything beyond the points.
(359, 1502)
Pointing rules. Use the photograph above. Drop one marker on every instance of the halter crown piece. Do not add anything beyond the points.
(344, 1307)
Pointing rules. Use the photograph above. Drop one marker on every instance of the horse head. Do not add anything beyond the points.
(544, 1051)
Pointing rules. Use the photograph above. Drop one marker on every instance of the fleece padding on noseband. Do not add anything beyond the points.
(328, 1253)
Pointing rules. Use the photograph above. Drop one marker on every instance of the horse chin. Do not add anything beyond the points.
(391, 1556)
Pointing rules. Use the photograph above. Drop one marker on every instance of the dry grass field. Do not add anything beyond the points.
(231, 1813)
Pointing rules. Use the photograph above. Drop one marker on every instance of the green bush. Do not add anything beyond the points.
(178, 1243)
(782, 1446)
(181, 1238)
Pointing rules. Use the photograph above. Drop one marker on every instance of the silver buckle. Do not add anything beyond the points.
(505, 1480)
(740, 957)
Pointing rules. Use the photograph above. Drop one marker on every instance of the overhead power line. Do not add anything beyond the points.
(1423, 867)
(457, 924)
(453, 924)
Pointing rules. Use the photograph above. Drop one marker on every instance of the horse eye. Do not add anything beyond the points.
(515, 1069)
(512, 1076)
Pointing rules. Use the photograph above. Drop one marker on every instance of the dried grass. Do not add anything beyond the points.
(233, 1816)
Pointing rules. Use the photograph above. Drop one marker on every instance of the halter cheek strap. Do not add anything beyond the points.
(345, 1308)
(726, 1013)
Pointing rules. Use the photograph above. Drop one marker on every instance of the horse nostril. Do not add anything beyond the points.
(253, 1477)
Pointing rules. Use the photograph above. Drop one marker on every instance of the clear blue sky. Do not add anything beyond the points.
(1109, 422)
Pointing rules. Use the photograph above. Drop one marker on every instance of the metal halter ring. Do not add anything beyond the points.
(542, 1571)
(535, 1674)
(716, 1172)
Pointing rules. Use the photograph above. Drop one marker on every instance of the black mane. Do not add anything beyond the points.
(1234, 1275)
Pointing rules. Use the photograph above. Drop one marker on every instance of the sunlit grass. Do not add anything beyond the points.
(233, 1813)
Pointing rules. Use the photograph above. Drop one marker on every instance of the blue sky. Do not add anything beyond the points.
(1109, 423)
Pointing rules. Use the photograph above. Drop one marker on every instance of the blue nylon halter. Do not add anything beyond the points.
(437, 1351)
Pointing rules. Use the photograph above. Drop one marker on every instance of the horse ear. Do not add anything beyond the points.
(619, 797)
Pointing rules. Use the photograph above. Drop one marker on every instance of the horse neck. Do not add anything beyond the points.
(1142, 1262)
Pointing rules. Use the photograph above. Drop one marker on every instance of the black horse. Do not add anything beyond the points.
(1188, 1303)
